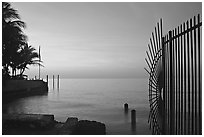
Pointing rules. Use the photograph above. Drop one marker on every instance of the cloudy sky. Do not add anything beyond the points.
(97, 40)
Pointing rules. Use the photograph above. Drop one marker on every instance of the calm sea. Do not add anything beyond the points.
(93, 99)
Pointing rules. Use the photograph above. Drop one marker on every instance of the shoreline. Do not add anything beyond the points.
(14, 89)
(45, 124)
(40, 124)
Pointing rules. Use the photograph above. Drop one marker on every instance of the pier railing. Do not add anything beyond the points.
(175, 79)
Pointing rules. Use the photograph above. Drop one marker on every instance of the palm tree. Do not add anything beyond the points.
(12, 36)
(28, 56)
(16, 54)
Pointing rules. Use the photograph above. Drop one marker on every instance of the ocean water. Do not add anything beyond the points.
(93, 99)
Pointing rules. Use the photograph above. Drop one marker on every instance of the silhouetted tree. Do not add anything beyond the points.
(28, 56)
(16, 54)
(12, 35)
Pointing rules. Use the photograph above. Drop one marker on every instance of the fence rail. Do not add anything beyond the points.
(175, 92)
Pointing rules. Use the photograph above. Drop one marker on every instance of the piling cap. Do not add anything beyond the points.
(133, 111)
(126, 105)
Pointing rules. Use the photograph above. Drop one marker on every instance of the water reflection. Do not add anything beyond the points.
(133, 128)
(126, 117)
(88, 99)
(128, 121)
(32, 104)
(126, 112)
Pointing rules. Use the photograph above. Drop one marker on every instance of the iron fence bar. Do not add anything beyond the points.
(195, 57)
(164, 91)
(150, 73)
(148, 64)
(168, 87)
(199, 79)
(151, 53)
(159, 37)
(182, 82)
(153, 115)
(179, 87)
(175, 56)
(156, 37)
(149, 58)
(176, 96)
(173, 92)
(192, 79)
(189, 106)
(167, 81)
(154, 42)
(185, 84)
(172, 117)
(149, 90)
(153, 49)
(186, 31)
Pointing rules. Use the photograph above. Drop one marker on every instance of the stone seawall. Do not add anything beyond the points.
(45, 124)
(19, 88)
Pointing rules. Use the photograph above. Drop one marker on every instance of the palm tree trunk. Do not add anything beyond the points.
(22, 70)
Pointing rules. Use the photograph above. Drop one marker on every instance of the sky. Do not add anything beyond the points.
(97, 40)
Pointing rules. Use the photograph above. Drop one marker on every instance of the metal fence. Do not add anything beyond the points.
(175, 79)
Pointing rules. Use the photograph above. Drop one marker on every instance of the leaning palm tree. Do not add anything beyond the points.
(28, 56)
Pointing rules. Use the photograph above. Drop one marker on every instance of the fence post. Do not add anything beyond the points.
(172, 91)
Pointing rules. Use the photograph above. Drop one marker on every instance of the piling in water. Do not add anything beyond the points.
(133, 116)
(126, 107)
(53, 81)
(58, 81)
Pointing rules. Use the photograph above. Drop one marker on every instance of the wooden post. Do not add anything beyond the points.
(53, 81)
(133, 121)
(47, 79)
(58, 81)
(133, 116)
(126, 107)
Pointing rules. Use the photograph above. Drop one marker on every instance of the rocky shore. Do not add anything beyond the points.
(45, 124)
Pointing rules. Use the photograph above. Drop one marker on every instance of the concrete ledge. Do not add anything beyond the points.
(33, 121)
(11, 85)
(86, 127)
(69, 126)
(44, 124)
(14, 89)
